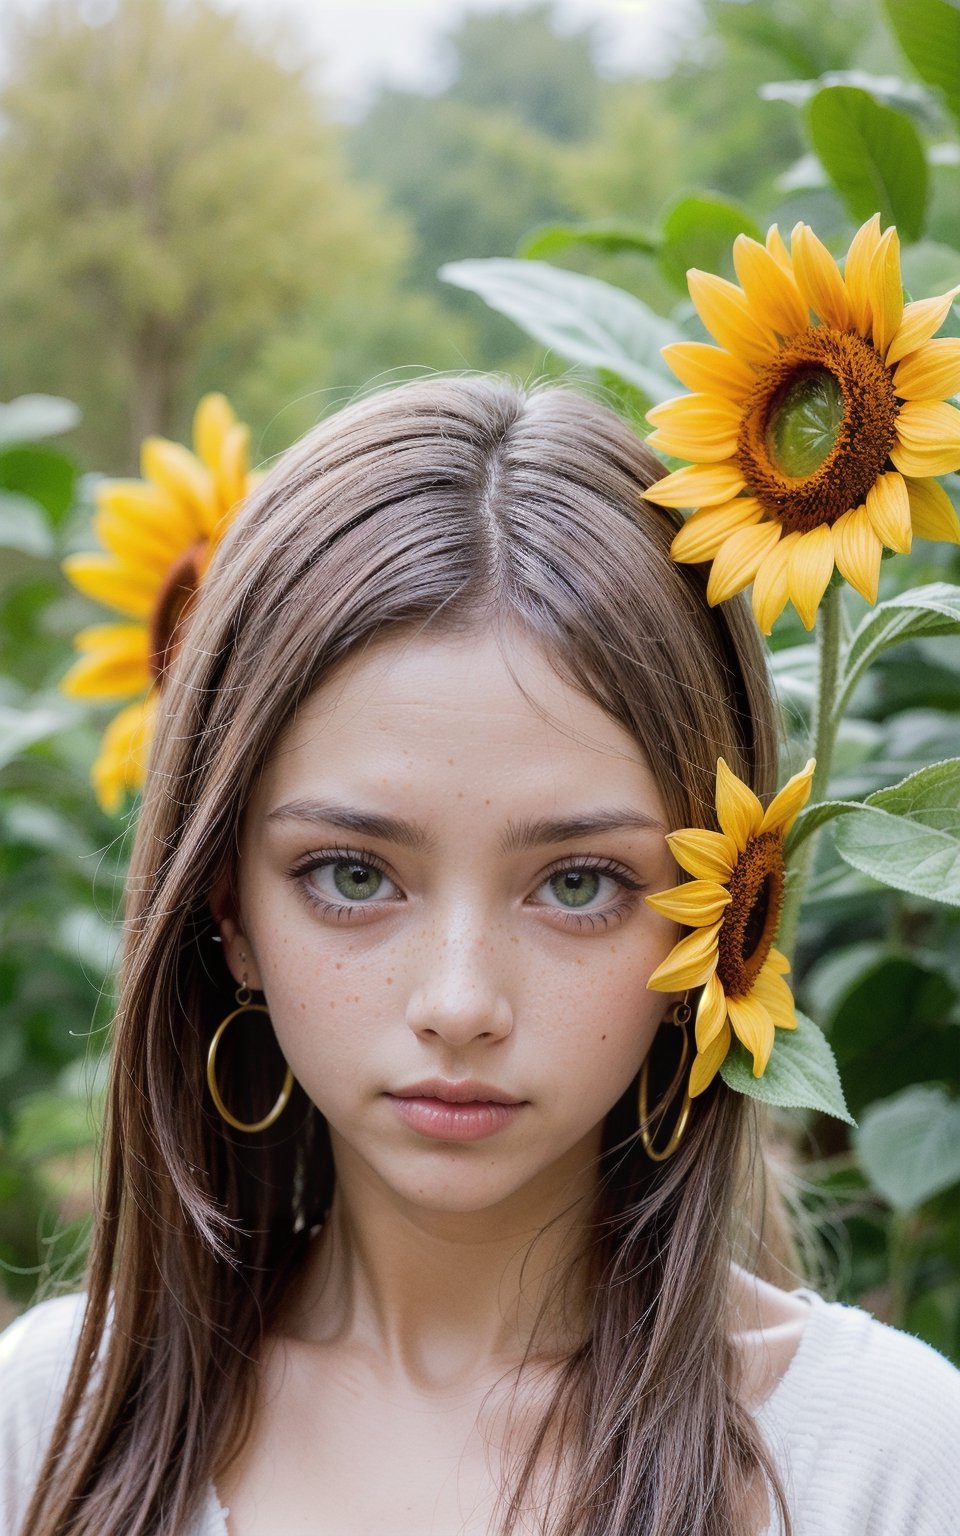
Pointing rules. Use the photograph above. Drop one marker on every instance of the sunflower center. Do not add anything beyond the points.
(174, 601)
(818, 428)
(750, 921)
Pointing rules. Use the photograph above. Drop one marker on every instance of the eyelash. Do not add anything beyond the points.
(347, 912)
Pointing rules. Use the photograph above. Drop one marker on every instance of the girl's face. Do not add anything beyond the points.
(441, 877)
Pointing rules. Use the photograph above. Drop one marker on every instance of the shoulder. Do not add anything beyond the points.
(36, 1352)
(865, 1425)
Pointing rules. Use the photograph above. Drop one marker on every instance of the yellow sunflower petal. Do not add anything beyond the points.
(726, 313)
(708, 370)
(697, 903)
(212, 421)
(770, 591)
(697, 485)
(739, 812)
(772, 991)
(122, 760)
(778, 250)
(809, 572)
(932, 513)
(920, 320)
(752, 1025)
(856, 273)
(711, 1013)
(786, 806)
(138, 501)
(700, 427)
(137, 544)
(930, 373)
(707, 1064)
(928, 435)
(689, 963)
(706, 531)
(736, 564)
(818, 278)
(106, 676)
(777, 962)
(772, 292)
(703, 854)
(888, 508)
(108, 581)
(180, 473)
(231, 471)
(858, 551)
(886, 291)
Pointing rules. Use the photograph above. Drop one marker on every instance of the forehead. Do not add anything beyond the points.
(486, 711)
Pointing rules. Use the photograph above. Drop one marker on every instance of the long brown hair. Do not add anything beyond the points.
(447, 503)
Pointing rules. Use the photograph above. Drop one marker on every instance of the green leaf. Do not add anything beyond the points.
(909, 1145)
(801, 1072)
(812, 818)
(891, 1025)
(908, 836)
(41, 473)
(928, 31)
(19, 729)
(583, 319)
(922, 611)
(36, 416)
(873, 155)
(930, 267)
(552, 239)
(699, 232)
(24, 527)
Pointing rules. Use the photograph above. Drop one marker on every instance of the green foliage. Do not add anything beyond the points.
(801, 1073)
(873, 155)
(928, 31)
(581, 319)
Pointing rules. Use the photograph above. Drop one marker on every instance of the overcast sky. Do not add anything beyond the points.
(400, 41)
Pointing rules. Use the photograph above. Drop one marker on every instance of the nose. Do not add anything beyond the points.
(460, 993)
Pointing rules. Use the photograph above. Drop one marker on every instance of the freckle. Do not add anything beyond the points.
(339, 965)
(451, 761)
(486, 802)
(602, 1037)
(389, 981)
(514, 939)
(459, 794)
(333, 1005)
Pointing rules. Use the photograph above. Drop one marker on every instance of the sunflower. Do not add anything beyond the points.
(815, 427)
(158, 535)
(733, 904)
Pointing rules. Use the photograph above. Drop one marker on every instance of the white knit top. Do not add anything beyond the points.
(864, 1425)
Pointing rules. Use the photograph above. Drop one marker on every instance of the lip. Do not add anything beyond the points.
(466, 1090)
(470, 1120)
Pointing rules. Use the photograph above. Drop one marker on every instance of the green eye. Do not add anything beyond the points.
(575, 887)
(357, 882)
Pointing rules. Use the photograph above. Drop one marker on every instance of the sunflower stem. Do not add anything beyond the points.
(824, 726)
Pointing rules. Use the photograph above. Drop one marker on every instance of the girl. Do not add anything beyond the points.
(408, 1225)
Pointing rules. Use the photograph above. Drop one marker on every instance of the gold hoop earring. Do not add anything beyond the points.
(244, 1005)
(680, 1014)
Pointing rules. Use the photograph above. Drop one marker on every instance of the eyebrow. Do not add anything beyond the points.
(519, 836)
(562, 829)
(388, 829)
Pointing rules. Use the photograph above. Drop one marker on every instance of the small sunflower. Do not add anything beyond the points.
(817, 425)
(159, 534)
(733, 903)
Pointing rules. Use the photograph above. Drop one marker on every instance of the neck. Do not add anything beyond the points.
(444, 1297)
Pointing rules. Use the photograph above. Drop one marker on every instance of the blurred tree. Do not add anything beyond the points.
(169, 190)
(517, 62)
(477, 166)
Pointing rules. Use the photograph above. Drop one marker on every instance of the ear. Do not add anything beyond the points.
(237, 949)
